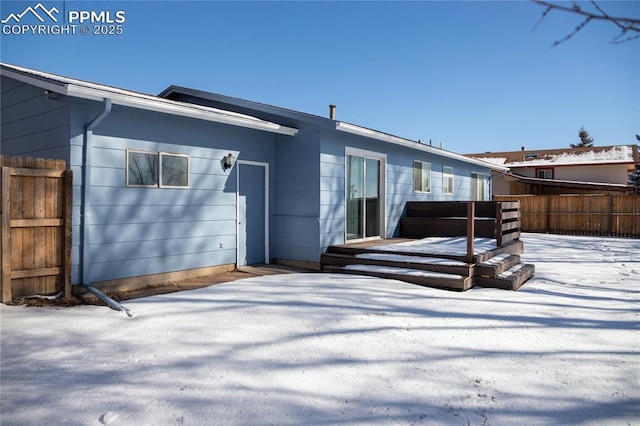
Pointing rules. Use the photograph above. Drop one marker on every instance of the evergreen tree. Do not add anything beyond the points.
(634, 178)
(586, 141)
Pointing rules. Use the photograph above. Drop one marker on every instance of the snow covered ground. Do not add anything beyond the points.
(332, 349)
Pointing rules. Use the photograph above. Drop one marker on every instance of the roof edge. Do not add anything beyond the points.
(330, 123)
(576, 183)
(97, 92)
(385, 137)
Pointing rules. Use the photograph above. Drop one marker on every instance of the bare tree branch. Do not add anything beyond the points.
(625, 24)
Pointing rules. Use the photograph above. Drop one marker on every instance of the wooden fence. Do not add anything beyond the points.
(580, 214)
(35, 226)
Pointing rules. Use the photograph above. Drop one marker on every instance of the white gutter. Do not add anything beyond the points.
(97, 92)
(34, 81)
(85, 213)
(168, 106)
(369, 133)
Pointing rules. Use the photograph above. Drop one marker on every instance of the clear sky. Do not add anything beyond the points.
(472, 75)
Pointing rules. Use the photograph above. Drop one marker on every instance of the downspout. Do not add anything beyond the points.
(85, 213)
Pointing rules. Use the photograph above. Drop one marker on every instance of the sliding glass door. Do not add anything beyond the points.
(477, 186)
(365, 195)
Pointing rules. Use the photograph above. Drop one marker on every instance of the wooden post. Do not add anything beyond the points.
(5, 225)
(471, 225)
(548, 211)
(499, 224)
(610, 216)
(67, 237)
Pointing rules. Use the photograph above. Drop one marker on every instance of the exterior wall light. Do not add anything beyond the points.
(228, 161)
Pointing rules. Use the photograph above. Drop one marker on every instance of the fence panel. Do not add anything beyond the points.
(533, 211)
(36, 227)
(580, 214)
(626, 215)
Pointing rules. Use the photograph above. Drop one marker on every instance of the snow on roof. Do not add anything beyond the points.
(614, 154)
(562, 157)
(500, 161)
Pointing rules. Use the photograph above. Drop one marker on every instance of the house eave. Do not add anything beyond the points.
(96, 92)
(385, 137)
(569, 183)
(178, 108)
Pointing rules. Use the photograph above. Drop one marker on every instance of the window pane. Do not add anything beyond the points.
(421, 176)
(477, 186)
(142, 169)
(372, 206)
(355, 196)
(545, 174)
(417, 176)
(175, 170)
(447, 180)
(426, 177)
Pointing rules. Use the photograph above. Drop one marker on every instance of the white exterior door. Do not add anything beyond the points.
(365, 194)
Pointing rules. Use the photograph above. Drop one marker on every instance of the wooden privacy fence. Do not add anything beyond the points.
(35, 222)
(579, 214)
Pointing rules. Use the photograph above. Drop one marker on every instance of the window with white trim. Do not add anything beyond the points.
(147, 169)
(421, 176)
(477, 186)
(545, 173)
(447, 180)
(174, 170)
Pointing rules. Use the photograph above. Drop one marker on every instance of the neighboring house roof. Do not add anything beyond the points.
(617, 154)
(98, 92)
(569, 183)
(291, 117)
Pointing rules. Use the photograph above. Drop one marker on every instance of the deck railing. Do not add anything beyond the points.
(471, 219)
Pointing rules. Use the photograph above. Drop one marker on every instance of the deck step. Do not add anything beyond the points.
(413, 276)
(512, 247)
(353, 249)
(434, 264)
(511, 279)
(497, 265)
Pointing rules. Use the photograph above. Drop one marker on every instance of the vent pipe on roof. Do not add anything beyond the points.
(332, 112)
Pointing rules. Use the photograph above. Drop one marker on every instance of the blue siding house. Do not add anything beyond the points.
(190, 182)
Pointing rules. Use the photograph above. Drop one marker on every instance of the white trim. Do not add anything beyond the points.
(140, 151)
(174, 154)
(34, 81)
(266, 206)
(382, 182)
(484, 184)
(446, 175)
(98, 92)
(178, 108)
(363, 131)
(422, 163)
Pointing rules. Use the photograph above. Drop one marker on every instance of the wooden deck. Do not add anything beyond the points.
(500, 267)
(450, 262)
